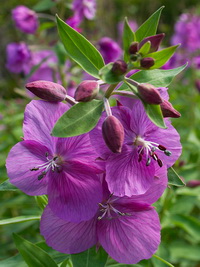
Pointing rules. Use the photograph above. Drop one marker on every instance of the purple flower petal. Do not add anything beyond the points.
(75, 192)
(130, 239)
(22, 158)
(39, 120)
(67, 237)
(126, 176)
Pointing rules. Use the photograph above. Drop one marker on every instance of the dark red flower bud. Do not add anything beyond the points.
(147, 62)
(155, 41)
(134, 47)
(86, 91)
(197, 84)
(47, 90)
(119, 67)
(168, 110)
(193, 183)
(149, 94)
(113, 134)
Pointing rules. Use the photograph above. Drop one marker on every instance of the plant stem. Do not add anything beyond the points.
(164, 261)
(110, 90)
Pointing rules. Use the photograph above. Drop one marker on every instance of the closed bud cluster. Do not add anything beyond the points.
(86, 91)
(47, 90)
(149, 94)
(147, 62)
(119, 67)
(113, 134)
(168, 110)
(134, 47)
(193, 183)
(155, 41)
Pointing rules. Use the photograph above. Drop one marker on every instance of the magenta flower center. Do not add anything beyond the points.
(148, 148)
(109, 211)
(53, 164)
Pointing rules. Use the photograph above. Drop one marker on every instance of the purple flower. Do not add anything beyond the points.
(145, 147)
(84, 8)
(127, 228)
(109, 49)
(63, 168)
(74, 22)
(46, 70)
(18, 58)
(25, 19)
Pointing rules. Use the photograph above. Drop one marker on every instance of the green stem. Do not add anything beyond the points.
(110, 90)
(164, 261)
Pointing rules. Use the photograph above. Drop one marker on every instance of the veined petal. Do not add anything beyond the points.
(75, 192)
(126, 176)
(22, 158)
(129, 239)
(39, 120)
(67, 237)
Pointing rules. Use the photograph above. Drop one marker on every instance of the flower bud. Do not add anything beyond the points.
(134, 47)
(119, 67)
(113, 134)
(193, 183)
(86, 91)
(155, 41)
(168, 110)
(149, 94)
(197, 84)
(47, 90)
(147, 62)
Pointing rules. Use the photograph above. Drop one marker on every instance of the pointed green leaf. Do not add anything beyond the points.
(19, 219)
(145, 48)
(174, 178)
(149, 27)
(90, 258)
(162, 56)
(7, 186)
(80, 49)
(108, 76)
(79, 119)
(158, 78)
(153, 111)
(128, 38)
(33, 255)
(155, 115)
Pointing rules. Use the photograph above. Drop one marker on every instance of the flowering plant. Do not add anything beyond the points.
(101, 166)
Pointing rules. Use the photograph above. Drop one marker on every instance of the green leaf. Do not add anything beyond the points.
(149, 27)
(108, 76)
(174, 178)
(19, 219)
(188, 223)
(155, 115)
(79, 119)
(128, 38)
(180, 251)
(7, 186)
(90, 258)
(145, 48)
(158, 78)
(80, 49)
(162, 56)
(44, 5)
(33, 255)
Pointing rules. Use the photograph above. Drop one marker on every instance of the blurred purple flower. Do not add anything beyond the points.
(63, 168)
(18, 58)
(25, 19)
(127, 228)
(84, 8)
(109, 49)
(46, 70)
(145, 146)
(74, 22)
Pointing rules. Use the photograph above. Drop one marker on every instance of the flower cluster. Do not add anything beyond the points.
(100, 182)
